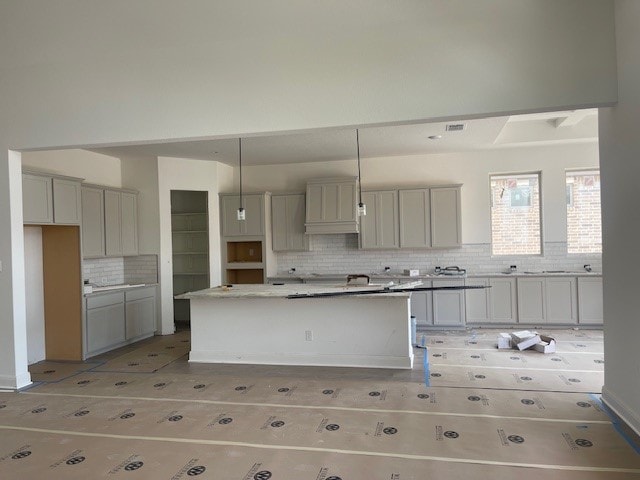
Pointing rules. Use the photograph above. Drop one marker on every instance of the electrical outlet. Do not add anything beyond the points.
(251, 252)
(103, 280)
(308, 335)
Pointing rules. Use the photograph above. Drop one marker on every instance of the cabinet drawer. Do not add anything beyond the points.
(139, 293)
(105, 300)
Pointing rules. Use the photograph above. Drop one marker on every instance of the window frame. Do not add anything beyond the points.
(518, 174)
(584, 172)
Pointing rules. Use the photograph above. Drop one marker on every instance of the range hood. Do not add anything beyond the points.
(331, 206)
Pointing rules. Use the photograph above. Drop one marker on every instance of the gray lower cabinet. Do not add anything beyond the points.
(504, 305)
(448, 305)
(496, 304)
(49, 199)
(532, 307)
(105, 322)
(439, 308)
(590, 301)
(140, 312)
(550, 300)
(562, 300)
(118, 318)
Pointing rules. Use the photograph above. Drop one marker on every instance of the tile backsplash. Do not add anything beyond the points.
(118, 270)
(340, 254)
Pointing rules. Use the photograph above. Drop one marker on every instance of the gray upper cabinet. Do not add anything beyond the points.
(37, 199)
(379, 228)
(50, 199)
(93, 222)
(253, 225)
(331, 206)
(415, 218)
(129, 223)
(112, 225)
(446, 227)
(66, 201)
(120, 223)
(287, 223)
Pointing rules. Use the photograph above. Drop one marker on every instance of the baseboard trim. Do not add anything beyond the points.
(622, 410)
(10, 382)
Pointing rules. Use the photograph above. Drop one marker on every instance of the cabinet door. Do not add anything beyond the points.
(445, 217)
(254, 211)
(287, 223)
(415, 221)
(590, 301)
(229, 208)
(478, 302)
(112, 222)
(254, 223)
(448, 305)
(421, 307)
(379, 227)
(561, 296)
(37, 199)
(129, 223)
(503, 300)
(315, 203)
(140, 317)
(66, 201)
(296, 207)
(92, 222)
(531, 300)
(279, 223)
(105, 327)
(347, 200)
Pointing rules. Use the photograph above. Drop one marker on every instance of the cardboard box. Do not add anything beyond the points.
(525, 339)
(546, 345)
(504, 341)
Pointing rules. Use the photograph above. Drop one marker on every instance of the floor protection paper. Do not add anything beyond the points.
(519, 442)
(62, 456)
(49, 371)
(338, 394)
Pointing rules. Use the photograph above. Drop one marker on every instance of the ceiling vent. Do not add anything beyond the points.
(455, 127)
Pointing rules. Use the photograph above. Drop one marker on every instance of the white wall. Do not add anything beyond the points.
(185, 174)
(161, 69)
(619, 153)
(34, 284)
(92, 167)
(472, 169)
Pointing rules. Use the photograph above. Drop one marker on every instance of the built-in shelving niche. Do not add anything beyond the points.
(190, 248)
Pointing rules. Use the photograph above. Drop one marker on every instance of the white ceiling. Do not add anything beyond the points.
(340, 144)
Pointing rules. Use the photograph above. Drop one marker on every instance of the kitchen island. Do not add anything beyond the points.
(257, 324)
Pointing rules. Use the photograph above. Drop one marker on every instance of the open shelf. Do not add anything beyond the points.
(245, 276)
(244, 251)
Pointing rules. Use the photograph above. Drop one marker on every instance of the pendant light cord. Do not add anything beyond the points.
(359, 178)
(240, 161)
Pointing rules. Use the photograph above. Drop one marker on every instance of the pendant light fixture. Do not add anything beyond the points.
(362, 208)
(241, 212)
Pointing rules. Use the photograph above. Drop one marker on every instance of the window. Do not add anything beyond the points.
(515, 214)
(584, 221)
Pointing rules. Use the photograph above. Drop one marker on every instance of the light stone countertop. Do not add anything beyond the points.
(117, 288)
(391, 276)
(281, 291)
